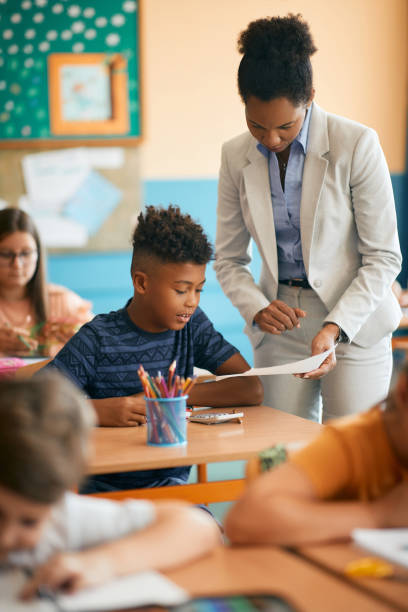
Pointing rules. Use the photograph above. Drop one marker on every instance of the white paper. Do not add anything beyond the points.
(51, 178)
(296, 367)
(11, 584)
(105, 157)
(392, 544)
(131, 591)
(57, 231)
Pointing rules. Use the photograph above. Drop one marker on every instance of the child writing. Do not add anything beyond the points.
(354, 474)
(69, 541)
(36, 317)
(160, 324)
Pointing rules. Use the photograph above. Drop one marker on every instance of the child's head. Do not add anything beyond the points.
(19, 236)
(44, 432)
(170, 253)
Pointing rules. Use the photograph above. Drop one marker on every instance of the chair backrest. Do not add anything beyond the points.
(28, 370)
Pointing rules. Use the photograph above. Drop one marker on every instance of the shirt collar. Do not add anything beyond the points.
(301, 138)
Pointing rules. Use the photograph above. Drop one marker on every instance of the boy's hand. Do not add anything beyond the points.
(69, 572)
(129, 411)
(278, 317)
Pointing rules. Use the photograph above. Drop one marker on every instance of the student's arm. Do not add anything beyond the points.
(179, 533)
(237, 391)
(282, 508)
(128, 411)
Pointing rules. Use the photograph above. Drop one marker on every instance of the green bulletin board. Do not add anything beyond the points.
(31, 31)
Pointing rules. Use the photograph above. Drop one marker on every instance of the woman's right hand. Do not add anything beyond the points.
(278, 317)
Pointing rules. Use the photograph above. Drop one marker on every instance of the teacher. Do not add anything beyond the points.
(313, 191)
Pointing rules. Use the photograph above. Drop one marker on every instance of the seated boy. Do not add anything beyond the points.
(71, 541)
(160, 324)
(354, 474)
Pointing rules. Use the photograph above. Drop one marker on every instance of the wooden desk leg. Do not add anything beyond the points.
(202, 475)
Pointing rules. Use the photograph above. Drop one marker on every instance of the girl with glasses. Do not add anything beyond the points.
(36, 317)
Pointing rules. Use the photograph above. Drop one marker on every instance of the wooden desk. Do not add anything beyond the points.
(118, 449)
(334, 557)
(249, 570)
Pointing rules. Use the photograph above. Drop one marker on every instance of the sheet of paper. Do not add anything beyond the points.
(392, 544)
(11, 583)
(93, 202)
(105, 157)
(51, 178)
(57, 231)
(131, 591)
(296, 367)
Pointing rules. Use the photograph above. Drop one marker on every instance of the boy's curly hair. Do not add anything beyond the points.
(170, 236)
(276, 59)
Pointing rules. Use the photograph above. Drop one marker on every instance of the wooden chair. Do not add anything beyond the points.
(30, 369)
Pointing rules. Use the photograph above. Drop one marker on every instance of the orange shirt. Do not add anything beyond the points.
(351, 459)
(67, 311)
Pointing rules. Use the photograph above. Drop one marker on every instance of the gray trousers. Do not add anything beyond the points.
(360, 379)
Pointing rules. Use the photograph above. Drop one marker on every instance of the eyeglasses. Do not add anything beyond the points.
(7, 258)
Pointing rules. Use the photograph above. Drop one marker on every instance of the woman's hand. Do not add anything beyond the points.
(69, 572)
(323, 341)
(278, 317)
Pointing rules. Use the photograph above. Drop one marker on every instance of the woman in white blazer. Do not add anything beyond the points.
(313, 191)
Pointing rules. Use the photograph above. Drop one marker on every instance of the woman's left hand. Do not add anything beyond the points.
(323, 341)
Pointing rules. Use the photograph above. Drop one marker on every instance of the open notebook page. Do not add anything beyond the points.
(392, 544)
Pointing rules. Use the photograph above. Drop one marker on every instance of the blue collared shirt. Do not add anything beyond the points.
(286, 204)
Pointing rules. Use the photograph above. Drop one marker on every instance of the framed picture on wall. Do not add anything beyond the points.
(70, 74)
(88, 94)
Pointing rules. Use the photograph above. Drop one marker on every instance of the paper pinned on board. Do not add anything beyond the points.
(296, 367)
(93, 202)
(51, 178)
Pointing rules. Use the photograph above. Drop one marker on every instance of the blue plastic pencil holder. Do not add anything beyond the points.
(166, 421)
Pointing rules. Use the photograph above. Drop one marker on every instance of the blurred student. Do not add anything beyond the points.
(70, 542)
(354, 474)
(162, 323)
(36, 318)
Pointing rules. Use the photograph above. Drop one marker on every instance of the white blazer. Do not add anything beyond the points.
(347, 220)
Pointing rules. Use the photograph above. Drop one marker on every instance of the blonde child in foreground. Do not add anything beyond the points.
(69, 541)
(354, 474)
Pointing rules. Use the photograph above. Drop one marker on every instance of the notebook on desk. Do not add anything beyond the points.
(392, 544)
(135, 590)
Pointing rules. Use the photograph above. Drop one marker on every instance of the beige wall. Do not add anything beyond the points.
(191, 103)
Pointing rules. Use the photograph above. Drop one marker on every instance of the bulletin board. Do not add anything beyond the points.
(69, 73)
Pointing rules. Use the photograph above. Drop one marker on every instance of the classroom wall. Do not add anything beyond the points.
(191, 105)
(190, 63)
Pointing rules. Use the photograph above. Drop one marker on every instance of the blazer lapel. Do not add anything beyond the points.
(314, 173)
(258, 191)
